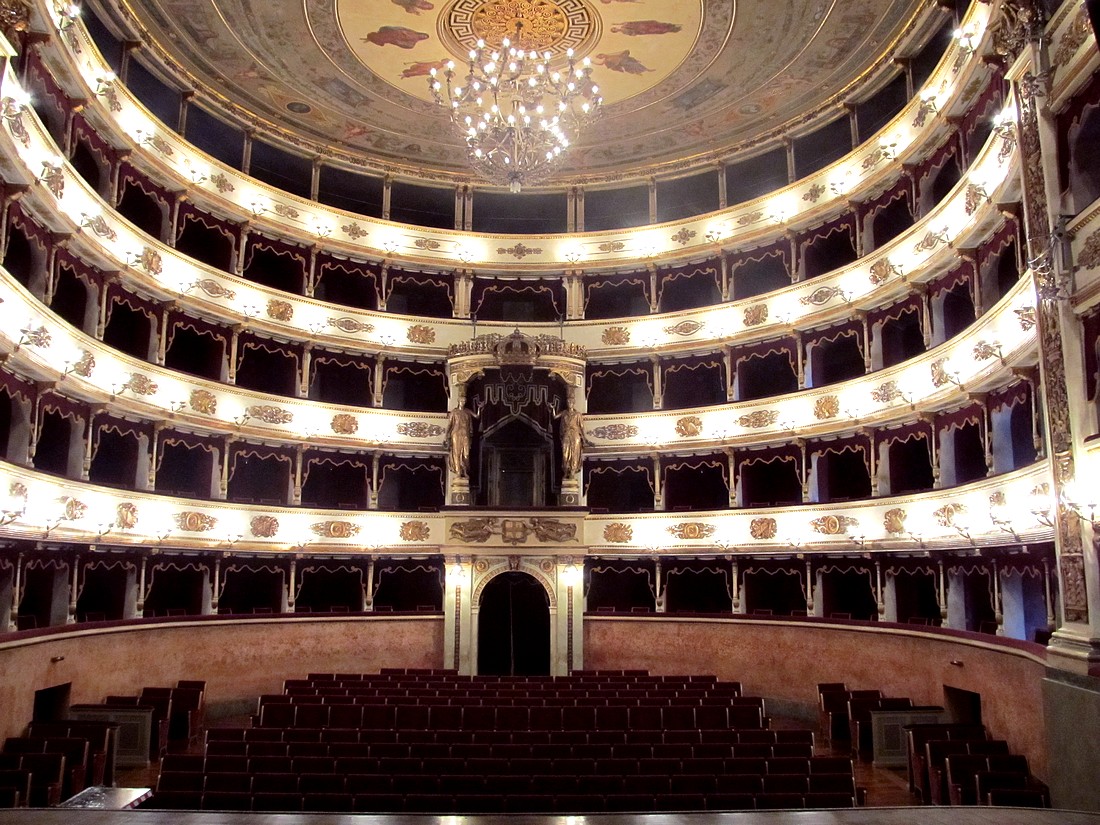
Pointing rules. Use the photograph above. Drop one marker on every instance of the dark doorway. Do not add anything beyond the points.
(513, 633)
(516, 459)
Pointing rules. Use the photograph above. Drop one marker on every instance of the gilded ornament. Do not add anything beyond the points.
(53, 178)
(983, 351)
(759, 418)
(750, 217)
(686, 327)
(159, 144)
(354, 231)
(945, 516)
(99, 226)
(618, 533)
(84, 365)
(1072, 39)
(222, 183)
(615, 336)
(215, 289)
(280, 310)
(756, 314)
(519, 251)
(150, 261)
(345, 424)
(335, 529)
(35, 337)
(827, 406)
(17, 489)
(684, 235)
(612, 246)
(894, 521)
(350, 325)
(939, 372)
(204, 401)
(285, 211)
(140, 385)
(763, 528)
(887, 391)
(269, 414)
(882, 270)
(1026, 316)
(820, 296)
(478, 530)
(997, 499)
(931, 240)
(191, 521)
(1089, 256)
(12, 114)
(421, 334)
(553, 530)
(814, 193)
(927, 107)
(973, 198)
(15, 17)
(419, 429)
(833, 525)
(689, 426)
(126, 515)
(615, 432)
(73, 509)
(414, 531)
(426, 243)
(691, 530)
(264, 527)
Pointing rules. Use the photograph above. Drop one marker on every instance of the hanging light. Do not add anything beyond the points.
(516, 113)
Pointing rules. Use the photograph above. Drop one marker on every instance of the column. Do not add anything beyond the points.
(570, 617)
(457, 617)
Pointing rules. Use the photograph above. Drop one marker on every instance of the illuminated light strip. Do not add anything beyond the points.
(181, 276)
(130, 116)
(81, 512)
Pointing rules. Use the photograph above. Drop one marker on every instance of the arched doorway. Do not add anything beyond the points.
(513, 633)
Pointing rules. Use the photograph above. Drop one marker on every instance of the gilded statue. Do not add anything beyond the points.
(572, 438)
(460, 425)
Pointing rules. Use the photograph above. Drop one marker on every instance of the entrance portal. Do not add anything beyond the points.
(513, 633)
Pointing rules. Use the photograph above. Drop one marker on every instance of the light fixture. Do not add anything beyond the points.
(515, 111)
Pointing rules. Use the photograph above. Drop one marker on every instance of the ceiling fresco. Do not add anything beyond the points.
(683, 80)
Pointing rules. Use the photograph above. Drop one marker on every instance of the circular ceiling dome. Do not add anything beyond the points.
(684, 82)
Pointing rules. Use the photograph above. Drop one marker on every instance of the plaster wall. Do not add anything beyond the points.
(784, 661)
(238, 659)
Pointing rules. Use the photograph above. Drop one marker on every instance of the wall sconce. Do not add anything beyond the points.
(965, 40)
(573, 256)
(103, 529)
(571, 576)
(919, 539)
(67, 14)
(257, 208)
(8, 516)
(242, 419)
(197, 176)
(389, 246)
(177, 406)
(52, 176)
(997, 516)
(464, 254)
(715, 234)
(322, 231)
(455, 575)
(1080, 503)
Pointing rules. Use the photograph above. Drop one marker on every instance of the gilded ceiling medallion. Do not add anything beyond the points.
(547, 25)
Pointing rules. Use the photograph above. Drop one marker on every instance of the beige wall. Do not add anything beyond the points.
(785, 661)
(238, 659)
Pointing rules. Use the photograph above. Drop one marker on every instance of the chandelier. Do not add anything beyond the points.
(515, 111)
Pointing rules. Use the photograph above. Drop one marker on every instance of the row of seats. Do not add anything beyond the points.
(390, 803)
(468, 750)
(546, 692)
(495, 738)
(344, 761)
(742, 712)
(602, 784)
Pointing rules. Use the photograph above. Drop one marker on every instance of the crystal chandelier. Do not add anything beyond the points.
(516, 112)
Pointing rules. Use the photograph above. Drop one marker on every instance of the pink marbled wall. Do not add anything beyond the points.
(238, 659)
(785, 661)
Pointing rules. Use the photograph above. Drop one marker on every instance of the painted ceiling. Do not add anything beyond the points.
(683, 80)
